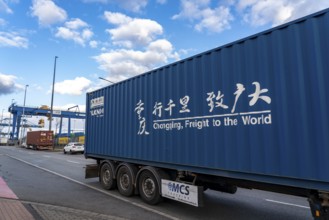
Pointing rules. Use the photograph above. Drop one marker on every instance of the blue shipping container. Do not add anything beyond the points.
(255, 109)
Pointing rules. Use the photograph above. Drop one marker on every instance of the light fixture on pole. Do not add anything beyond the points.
(52, 96)
(76, 106)
(106, 80)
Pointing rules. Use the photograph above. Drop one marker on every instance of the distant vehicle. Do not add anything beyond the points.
(74, 147)
(3, 141)
(12, 142)
(24, 145)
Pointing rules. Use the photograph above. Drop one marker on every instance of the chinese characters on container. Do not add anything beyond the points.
(214, 99)
(142, 122)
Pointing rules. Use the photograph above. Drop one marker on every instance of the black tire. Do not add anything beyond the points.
(107, 177)
(125, 181)
(64, 151)
(149, 188)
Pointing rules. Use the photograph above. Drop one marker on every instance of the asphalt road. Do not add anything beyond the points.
(58, 179)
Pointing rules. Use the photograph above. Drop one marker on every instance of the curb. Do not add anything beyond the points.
(10, 207)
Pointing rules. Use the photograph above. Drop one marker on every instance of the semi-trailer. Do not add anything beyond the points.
(250, 114)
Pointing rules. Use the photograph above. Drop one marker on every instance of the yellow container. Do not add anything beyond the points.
(63, 140)
(81, 139)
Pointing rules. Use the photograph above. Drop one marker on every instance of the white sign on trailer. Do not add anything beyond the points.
(180, 192)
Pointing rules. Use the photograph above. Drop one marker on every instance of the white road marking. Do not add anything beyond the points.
(286, 203)
(71, 161)
(99, 190)
(46, 156)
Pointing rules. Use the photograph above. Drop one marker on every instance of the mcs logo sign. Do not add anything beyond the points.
(182, 192)
(179, 188)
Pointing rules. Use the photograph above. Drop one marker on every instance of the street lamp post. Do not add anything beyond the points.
(25, 99)
(12, 102)
(2, 115)
(52, 101)
(23, 115)
(52, 96)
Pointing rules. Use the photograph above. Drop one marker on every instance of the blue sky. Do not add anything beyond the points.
(117, 39)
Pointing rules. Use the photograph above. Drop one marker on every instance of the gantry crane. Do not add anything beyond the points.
(19, 111)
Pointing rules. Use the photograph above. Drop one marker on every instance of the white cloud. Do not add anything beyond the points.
(204, 17)
(8, 85)
(191, 9)
(123, 63)
(215, 20)
(93, 44)
(75, 24)
(131, 32)
(140, 47)
(116, 18)
(76, 30)
(4, 7)
(47, 12)
(275, 12)
(76, 86)
(79, 108)
(86, 34)
(164, 50)
(12, 39)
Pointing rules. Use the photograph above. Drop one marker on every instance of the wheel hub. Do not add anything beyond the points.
(149, 187)
(124, 181)
(107, 176)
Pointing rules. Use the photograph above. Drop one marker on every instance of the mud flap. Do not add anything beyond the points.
(92, 171)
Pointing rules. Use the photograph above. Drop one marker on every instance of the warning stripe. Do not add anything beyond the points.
(5, 191)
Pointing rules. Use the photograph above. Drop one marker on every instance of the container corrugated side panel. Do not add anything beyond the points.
(42, 138)
(290, 64)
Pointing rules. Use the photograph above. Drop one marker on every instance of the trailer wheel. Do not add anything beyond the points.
(125, 179)
(107, 177)
(149, 188)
